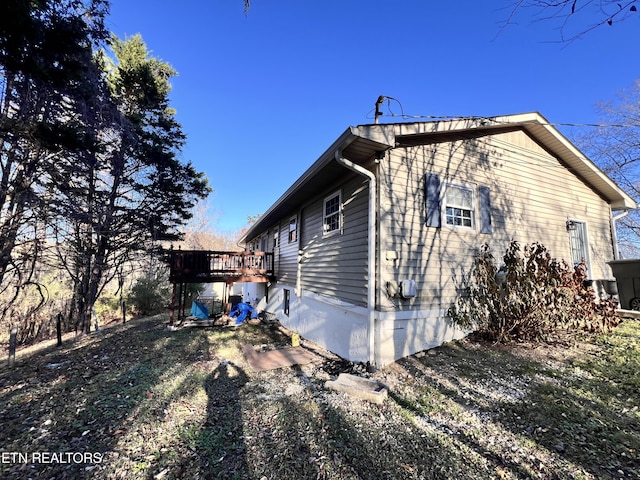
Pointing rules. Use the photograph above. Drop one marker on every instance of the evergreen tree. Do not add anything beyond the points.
(45, 54)
(131, 191)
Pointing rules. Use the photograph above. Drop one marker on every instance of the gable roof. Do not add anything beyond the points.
(360, 143)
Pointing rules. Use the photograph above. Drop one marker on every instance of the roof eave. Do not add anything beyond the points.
(381, 138)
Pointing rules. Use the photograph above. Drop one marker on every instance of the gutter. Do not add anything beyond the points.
(342, 142)
(614, 232)
(371, 250)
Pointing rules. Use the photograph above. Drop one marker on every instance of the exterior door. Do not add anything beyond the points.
(579, 242)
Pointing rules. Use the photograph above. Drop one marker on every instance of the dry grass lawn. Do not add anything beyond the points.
(139, 401)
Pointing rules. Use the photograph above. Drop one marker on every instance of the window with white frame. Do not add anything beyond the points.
(459, 206)
(293, 230)
(332, 214)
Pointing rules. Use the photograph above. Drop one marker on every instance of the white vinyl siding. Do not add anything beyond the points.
(328, 265)
(287, 266)
(524, 193)
(337, 265)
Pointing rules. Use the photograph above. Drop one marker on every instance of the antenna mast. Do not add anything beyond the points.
(378, 112)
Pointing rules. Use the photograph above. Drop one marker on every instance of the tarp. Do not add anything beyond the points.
(199, 310)
(241, 311)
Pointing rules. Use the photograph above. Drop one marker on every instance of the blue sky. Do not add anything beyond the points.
(261, 96)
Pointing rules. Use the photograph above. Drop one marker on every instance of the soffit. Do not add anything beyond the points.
(324, 172)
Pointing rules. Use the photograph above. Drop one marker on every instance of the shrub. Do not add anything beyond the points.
(109, 308)
(530, 298)
(150, 295)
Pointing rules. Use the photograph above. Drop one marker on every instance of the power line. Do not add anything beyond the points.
(382, 98)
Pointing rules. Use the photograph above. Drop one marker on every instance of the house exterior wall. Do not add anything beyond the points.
(336, 265)
(333, 265)
(532, 195)
(336, 325)
(287, 253)
(520, 192)
(323, 276)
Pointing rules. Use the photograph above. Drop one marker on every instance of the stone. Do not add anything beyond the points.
(359, 387)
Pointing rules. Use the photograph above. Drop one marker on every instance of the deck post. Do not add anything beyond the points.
(59, 328)
(13, 336)
(184, 301)
(172, 307)
(227, 302)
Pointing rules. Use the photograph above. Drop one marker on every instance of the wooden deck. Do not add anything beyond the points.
(206, 266)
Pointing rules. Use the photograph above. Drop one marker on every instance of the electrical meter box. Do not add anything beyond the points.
(408, 288)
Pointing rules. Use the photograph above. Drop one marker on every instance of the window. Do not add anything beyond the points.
(459, 206)
(293, 230)
(332, 214)
(276, 239)
(287, 301)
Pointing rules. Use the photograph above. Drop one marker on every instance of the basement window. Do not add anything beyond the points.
(287, 301)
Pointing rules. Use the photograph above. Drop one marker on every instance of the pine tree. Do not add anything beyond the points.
(45, 54)
(132, 190)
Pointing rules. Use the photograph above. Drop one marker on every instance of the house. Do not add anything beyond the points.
(371, 243)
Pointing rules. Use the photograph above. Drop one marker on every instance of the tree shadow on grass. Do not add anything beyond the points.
(304, 431)
(220, 442)
(85, 399)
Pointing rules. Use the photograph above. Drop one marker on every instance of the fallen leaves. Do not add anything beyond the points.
(468, 411)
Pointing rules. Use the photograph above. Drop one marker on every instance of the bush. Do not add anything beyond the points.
(150, 295)
(530, 298)
(108, 308)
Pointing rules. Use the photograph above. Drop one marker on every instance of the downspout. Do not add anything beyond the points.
(614, 232)
(371, 251)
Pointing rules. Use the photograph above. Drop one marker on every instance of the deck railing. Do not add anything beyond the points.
(202, 266)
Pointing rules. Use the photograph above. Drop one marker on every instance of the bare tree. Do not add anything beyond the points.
(575, 18)
(615, 147)
(201, 232)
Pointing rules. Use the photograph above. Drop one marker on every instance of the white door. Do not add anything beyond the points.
(579, 242)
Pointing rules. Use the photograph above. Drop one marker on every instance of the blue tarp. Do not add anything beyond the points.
(199, 310)
(240, 312)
